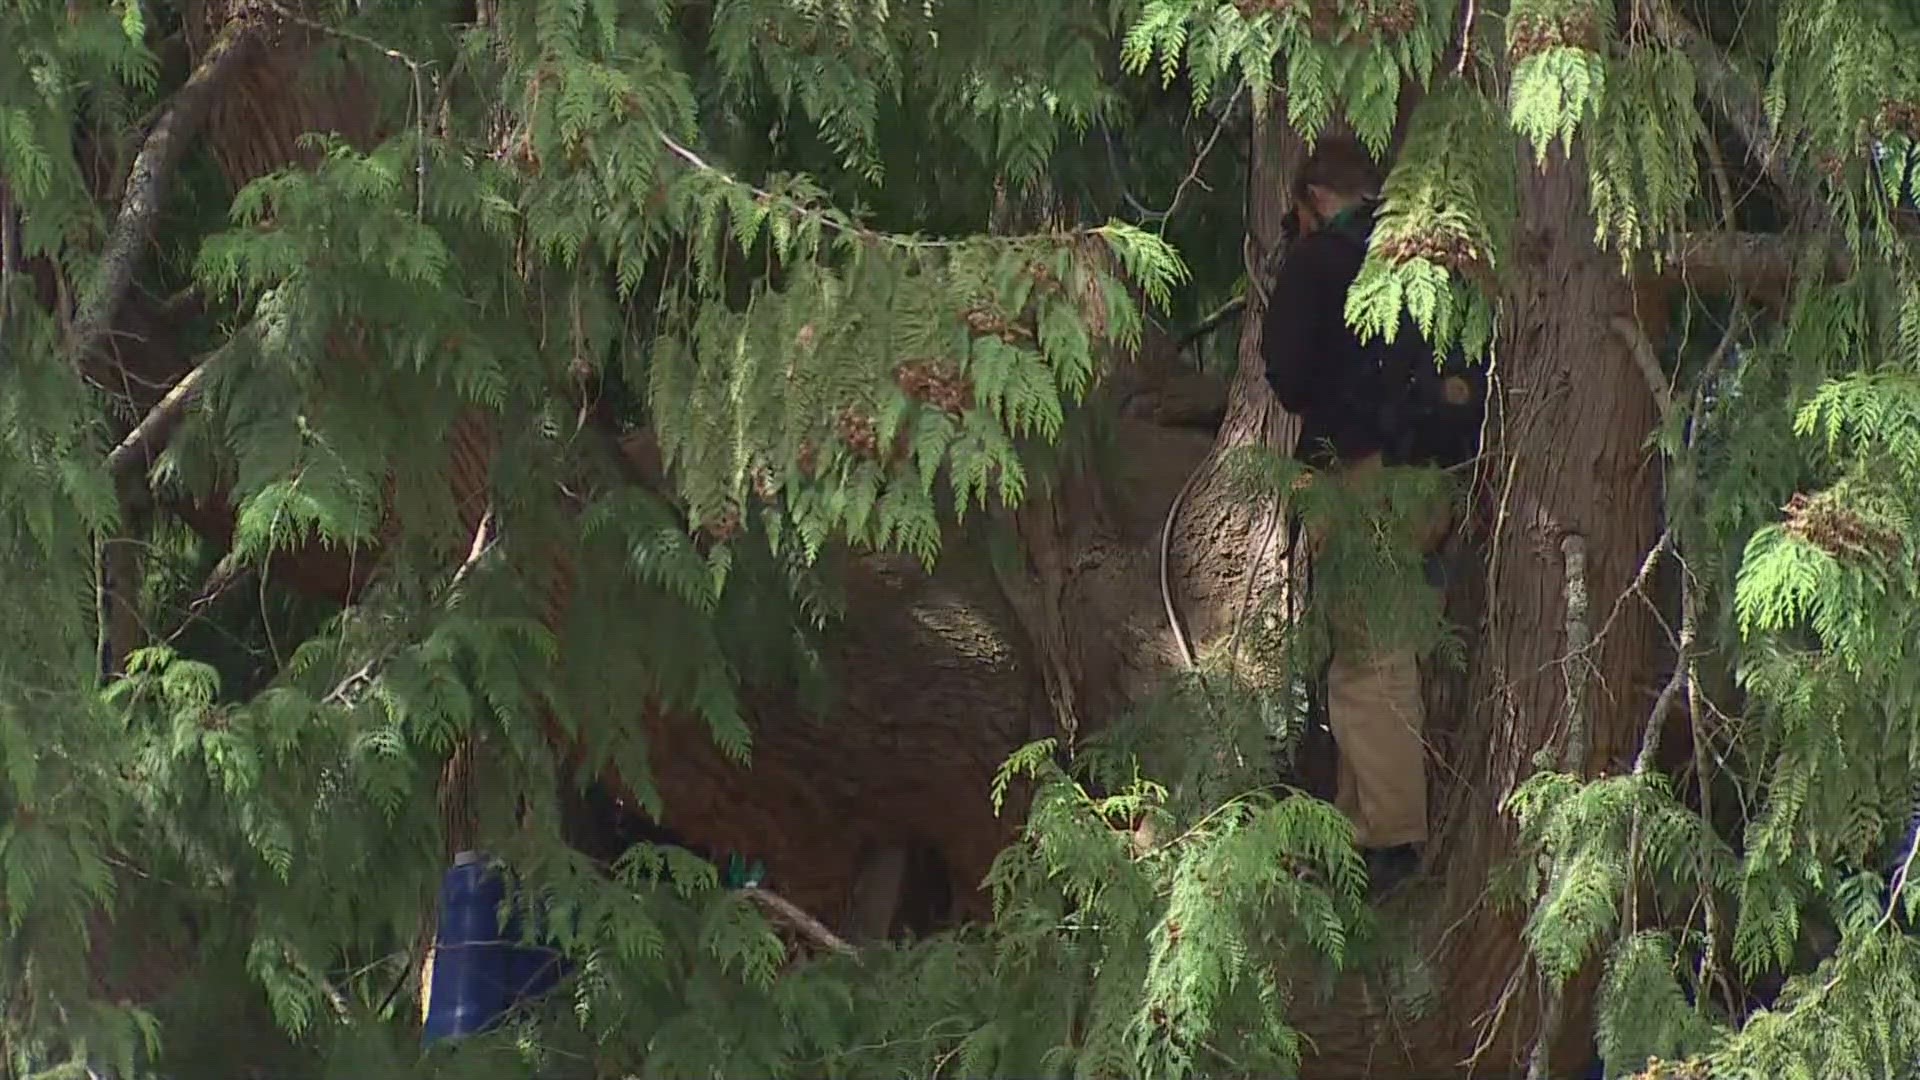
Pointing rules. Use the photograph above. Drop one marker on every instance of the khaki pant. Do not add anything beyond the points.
(1376, 712)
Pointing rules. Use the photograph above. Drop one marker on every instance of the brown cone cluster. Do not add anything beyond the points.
(724, 525)
(1820, 520)
(1392, 17)
(859, 432)
(985, 323)
(937, 383)
(1529, 34)
(1657, 1069)
(1385, 17)
(1898, 118)
(1450, 248)
(1323, 16)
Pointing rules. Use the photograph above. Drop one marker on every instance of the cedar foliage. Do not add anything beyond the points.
(835, 352)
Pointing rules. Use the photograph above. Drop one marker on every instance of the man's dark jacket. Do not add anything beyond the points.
(1354, 399)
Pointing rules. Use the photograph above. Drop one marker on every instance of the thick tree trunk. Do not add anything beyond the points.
(1570, 423)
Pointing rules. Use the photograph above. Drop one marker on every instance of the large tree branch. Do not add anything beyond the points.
(1748, 263)
(1758, 265)
(149, 181)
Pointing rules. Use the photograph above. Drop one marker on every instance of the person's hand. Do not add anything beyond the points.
(1456, 391)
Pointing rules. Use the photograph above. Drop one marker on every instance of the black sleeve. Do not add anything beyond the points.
(1304, 305)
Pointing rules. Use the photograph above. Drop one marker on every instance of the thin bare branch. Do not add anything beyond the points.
(483, 537)
(349, 688)
(1212, 322)
(1573, 759)
(1678, 681)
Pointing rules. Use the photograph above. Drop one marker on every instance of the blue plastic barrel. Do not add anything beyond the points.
(480, 970)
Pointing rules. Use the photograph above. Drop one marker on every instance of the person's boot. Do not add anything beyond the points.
(1389, 868)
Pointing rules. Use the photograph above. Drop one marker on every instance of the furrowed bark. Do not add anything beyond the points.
(1568, 458)
(1213, 538)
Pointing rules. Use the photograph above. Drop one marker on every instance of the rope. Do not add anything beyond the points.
(1166, 542)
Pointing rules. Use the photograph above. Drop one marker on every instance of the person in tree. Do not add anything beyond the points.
(1363, 406)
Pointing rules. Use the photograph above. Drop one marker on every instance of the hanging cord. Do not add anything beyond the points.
(1293, 529)
(1166, 592)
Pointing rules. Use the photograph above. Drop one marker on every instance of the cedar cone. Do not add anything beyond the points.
(1450, 248)
(1821, 521)
(1898, 118)
(857, 430)
(1391, 18)
(1253, 9)
(984, 322)
(1531, 35)
(989, 324)
(722, 526)
(763, 485)
(1692, 1069)
(937, 383)
(1322, 16)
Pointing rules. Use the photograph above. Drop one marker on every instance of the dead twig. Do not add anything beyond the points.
(1211, 323)
(1200, 159)
(1573, 549)
(1642, 349)
(483, 537)
(1739, 98)
(1464, 45)
(348, 688)
(789, 913)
